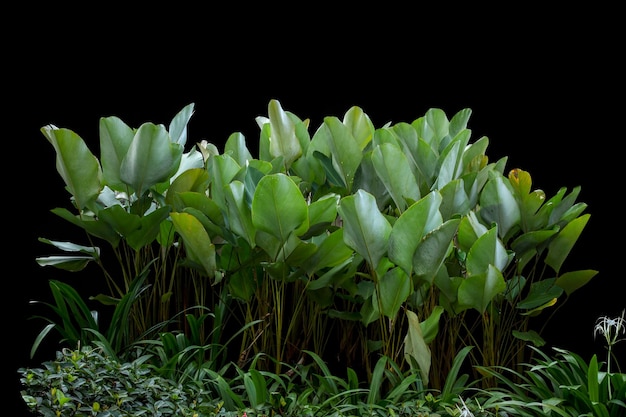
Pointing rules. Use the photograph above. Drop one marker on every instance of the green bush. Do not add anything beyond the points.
(242, 284)
(85, 382)
(352, 241)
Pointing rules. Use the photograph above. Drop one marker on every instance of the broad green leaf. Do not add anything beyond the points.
(238, 212)
(151, 158)
(178, 125)
(71, 247)
(67, 263)
(214, 231)
(430, 326)
(540, 293)
(448, 165)
(329, 278)
(530, 241)
(222, 170)
(515, 287)
(115, 139)
(395, 173)
(477, 291)
(394, 289)
(573, 280)
(290, 253)
(241, 285)
(537, 310)
(369, 311)
(470, 229)
(194, 180)
(301, 253)
(416, 347)
(270, 244)
(78, 167)
(560, 247)
(236, 147)
(498, 205)
(572, 213)
(366, 230)
(309, 169)
(331, 251)
(406, 137)
(367, 179)
(331, 175)
(360, 125)
(283, 141)
(345, 153)
(454, 199)
(448, 287)
(204, 204)
(425, 132)
(251, 179)
(149, 229)
(324, 210)
(264, 138)
(279, 208)
(167, 235)
(120, 220)
(459, 121)
(98, 228)
(188, 161)
(529, 336)
(427, 160)
(419, 219)
(474, 154)
(138, 231)
(530, 201)
(439, 124)
(487, 251)
(434, 248)
(563, 203)
(198, 246)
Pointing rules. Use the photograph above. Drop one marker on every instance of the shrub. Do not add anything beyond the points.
(85, 382)
(354, 242)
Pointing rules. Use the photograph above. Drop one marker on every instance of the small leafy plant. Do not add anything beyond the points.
(564, 384)
(86, 382)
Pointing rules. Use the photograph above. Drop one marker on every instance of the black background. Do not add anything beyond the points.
(548, 92)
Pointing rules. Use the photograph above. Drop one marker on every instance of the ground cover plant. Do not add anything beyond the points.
(343, 259)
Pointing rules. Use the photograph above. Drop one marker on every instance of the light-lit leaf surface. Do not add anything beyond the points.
(366, 230)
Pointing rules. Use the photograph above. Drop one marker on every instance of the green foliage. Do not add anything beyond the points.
(77, 324)
(86, 382)
(353, 242)
(563, 385)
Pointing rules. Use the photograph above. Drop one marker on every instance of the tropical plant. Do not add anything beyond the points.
(355, 242)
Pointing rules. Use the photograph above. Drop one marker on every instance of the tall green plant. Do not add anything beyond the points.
(402, 241)
(121, 199)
